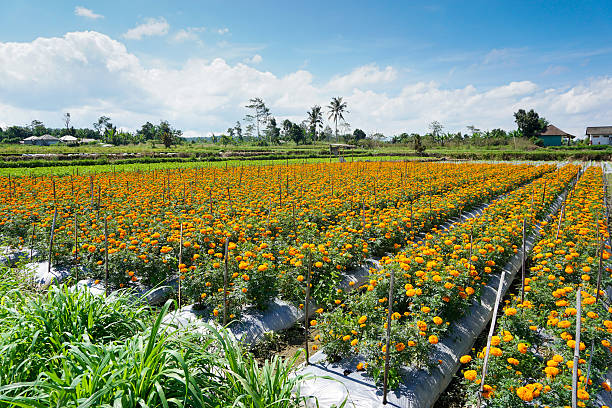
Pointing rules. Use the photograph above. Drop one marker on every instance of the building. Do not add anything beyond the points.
(599, 135)
(30, 140)
(553, 136)
(47, 140)
(69, 140)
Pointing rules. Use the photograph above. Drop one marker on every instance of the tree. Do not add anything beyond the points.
(530, 123)
(337, 108)
(286, 128)
(418, 143)
(436, 131)
(102, 124)
(273, 131)
(358, 135)
(225, 140)
(327, 133)
(261, 113)
(315, 120)
(238, 131)
(166, 134)
(249, 130)
(296, 133)
(38, 128)
(147, 131)
(67, 120)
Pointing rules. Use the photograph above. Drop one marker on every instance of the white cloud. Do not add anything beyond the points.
(223, 30)
(188, 34)
(90, 74)
(365, 75)
(255, 59)
(85, 12)
(151, 27)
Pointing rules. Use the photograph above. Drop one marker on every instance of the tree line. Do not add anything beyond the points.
(103, 130)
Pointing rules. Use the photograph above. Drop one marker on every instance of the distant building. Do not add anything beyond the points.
(553, 136)
(69, 140)
(47, 140)
(599, 135)
(30, 140)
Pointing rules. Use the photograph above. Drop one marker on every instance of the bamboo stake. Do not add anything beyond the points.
(180, 262)
(225, 282)
(32, 241)
(307, 304)
(76, 249)
(51, 239)
(105, 256)
(523, 266)
(390, 311)
(576, 350)
(490, 337)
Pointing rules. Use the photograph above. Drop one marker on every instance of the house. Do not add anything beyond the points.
(553, 136)
(69, 140)
(47, 140)
(30, 140)
(599, 135)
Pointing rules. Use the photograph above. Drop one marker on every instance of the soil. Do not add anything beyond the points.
(285, 343)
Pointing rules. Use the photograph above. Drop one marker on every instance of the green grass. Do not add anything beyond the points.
(68, 348)
(68, 170)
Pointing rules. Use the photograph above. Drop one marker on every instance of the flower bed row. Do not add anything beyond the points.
(345, 211)
(436, 280)
(531, 356)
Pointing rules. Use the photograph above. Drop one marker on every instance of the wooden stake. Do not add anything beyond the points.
(390, 312)
(105, 256)
(225, 281)
(576, 350)
(51, 239)
(523, 266)
(76, 249)
(32, 241)
(180, 262)
(307, 304)
(489, 338)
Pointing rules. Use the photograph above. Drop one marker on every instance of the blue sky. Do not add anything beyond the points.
(399, 65)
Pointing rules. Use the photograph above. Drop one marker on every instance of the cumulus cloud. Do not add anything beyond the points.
(87, 13)
(91, 74)
(151, 27)
(255, 59)
(188, 34)
(223, 30)
(365, 75)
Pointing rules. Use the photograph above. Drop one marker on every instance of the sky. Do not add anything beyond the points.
(399, 65)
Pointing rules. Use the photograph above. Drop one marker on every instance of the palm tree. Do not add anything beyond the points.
(315, 119)
(336, 108)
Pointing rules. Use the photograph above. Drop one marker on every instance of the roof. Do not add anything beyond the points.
(47, 137)
(68, 138)
(599, 130)
(31, 138)
(345, 146)
(552, 130)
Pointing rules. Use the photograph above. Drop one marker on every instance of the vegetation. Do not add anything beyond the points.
(70, 348)
(532, 354)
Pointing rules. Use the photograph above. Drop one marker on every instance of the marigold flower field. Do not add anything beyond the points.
(265, 227)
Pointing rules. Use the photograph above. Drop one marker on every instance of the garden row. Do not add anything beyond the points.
(436, 280)
(156, 224)
(531, 358)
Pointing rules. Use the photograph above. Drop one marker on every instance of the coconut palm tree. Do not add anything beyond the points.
(337, 108)
(315, 120)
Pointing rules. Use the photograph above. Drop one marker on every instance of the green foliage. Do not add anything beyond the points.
(529, 123)
(73, 349)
